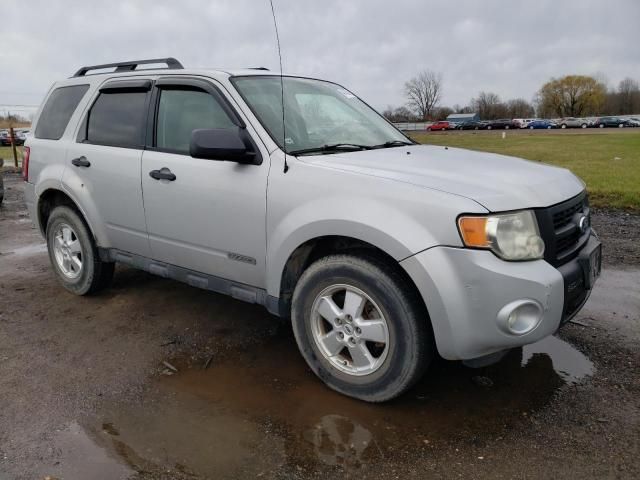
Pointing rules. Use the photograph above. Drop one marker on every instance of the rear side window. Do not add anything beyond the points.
(58, 110)
(117, 118)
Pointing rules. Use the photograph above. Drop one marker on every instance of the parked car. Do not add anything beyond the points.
(503, 123)
(378, 250)
(470, 125)
(573, 122)
(538, 124)
(440, 125)
(604, 122)
(5, 138)
(633, 122)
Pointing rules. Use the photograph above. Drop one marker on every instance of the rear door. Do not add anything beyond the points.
(103, 165)
(211, 217)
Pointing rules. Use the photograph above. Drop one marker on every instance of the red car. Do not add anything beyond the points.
(440, 125)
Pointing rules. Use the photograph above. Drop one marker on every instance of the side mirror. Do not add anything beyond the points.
(232, 145)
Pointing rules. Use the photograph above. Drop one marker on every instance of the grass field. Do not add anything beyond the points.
(608, 163)
(7, 154)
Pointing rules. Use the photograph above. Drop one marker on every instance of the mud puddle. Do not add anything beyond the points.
(261, 411)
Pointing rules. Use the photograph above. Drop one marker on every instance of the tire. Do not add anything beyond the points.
(506, 127)
(73, 253)
(620, 125)
(584, 125)
(548, 127)
(408, 349)
(563, 126)
(489, 127)
(530, 128)
(601, 125)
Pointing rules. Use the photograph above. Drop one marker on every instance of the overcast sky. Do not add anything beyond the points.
(370, 46)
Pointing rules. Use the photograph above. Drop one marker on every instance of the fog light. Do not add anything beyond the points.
(520, 317)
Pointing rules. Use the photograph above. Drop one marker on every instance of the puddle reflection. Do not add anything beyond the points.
(261, 409)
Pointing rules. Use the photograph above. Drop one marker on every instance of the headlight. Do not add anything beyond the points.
(511, 236)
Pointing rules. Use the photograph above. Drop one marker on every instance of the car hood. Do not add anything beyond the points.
(497, 182)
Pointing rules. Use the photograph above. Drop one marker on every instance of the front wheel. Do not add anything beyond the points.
(584, 125)
(360, 327)
(74, 254)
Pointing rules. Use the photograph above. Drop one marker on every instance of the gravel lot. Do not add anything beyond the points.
(85, 393)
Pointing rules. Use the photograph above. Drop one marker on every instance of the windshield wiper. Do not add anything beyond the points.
(393, 143)
(335, 147)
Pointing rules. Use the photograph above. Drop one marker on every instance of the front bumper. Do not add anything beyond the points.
(464, 291)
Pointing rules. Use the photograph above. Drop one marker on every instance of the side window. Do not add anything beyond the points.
(180, 112)
(117, 118)
(58, 110)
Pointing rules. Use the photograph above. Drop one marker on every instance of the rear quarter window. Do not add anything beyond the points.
(57, 111)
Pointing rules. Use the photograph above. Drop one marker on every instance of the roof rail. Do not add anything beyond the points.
(172, 64)
(259, 68)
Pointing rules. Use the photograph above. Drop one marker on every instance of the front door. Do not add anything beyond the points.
(205, 215)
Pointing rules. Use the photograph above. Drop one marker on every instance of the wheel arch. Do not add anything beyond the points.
(51, 198)
(318, 247)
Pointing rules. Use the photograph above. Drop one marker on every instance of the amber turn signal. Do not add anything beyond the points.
(474, 231)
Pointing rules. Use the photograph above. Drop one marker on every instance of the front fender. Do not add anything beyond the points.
(400, 219)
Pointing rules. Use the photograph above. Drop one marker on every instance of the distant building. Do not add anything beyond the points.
(463, 117)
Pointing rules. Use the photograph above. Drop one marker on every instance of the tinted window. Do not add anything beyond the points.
(117, 119)
(180, 112)
(58, 110)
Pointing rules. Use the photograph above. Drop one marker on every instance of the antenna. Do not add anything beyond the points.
(284, 136)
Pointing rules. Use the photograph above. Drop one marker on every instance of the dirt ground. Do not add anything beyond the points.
(84, 393)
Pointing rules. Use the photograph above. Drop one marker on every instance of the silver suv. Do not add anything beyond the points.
(381, 252)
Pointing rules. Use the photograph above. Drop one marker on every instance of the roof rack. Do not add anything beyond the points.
(172, 64)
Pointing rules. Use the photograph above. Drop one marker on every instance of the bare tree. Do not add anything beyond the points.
(628, 97)
(489, 106)
(519, 108)
(423, 93)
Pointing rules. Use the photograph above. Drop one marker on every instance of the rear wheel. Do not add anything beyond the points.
(584, 125)
(489, 127)
(563, 126)
(601, 125)
(360, 327)
(74, 254)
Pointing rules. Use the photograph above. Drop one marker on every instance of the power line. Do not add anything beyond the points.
(9, 105)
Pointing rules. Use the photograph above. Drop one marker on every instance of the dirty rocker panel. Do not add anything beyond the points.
(239, 291)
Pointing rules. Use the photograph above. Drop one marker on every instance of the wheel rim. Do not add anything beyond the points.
(67, 251)
(353, 337)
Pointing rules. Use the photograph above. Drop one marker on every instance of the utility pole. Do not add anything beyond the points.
(12, 137)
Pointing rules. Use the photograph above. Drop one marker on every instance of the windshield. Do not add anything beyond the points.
(319, 116)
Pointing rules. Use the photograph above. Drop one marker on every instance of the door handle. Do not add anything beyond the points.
(162, 174)
(81, 162)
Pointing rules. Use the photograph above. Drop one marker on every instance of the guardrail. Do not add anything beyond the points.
(412, 126)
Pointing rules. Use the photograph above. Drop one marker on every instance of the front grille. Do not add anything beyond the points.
(563, 217)
(561, 231)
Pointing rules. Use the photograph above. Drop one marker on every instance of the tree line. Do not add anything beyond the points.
(568, 96)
